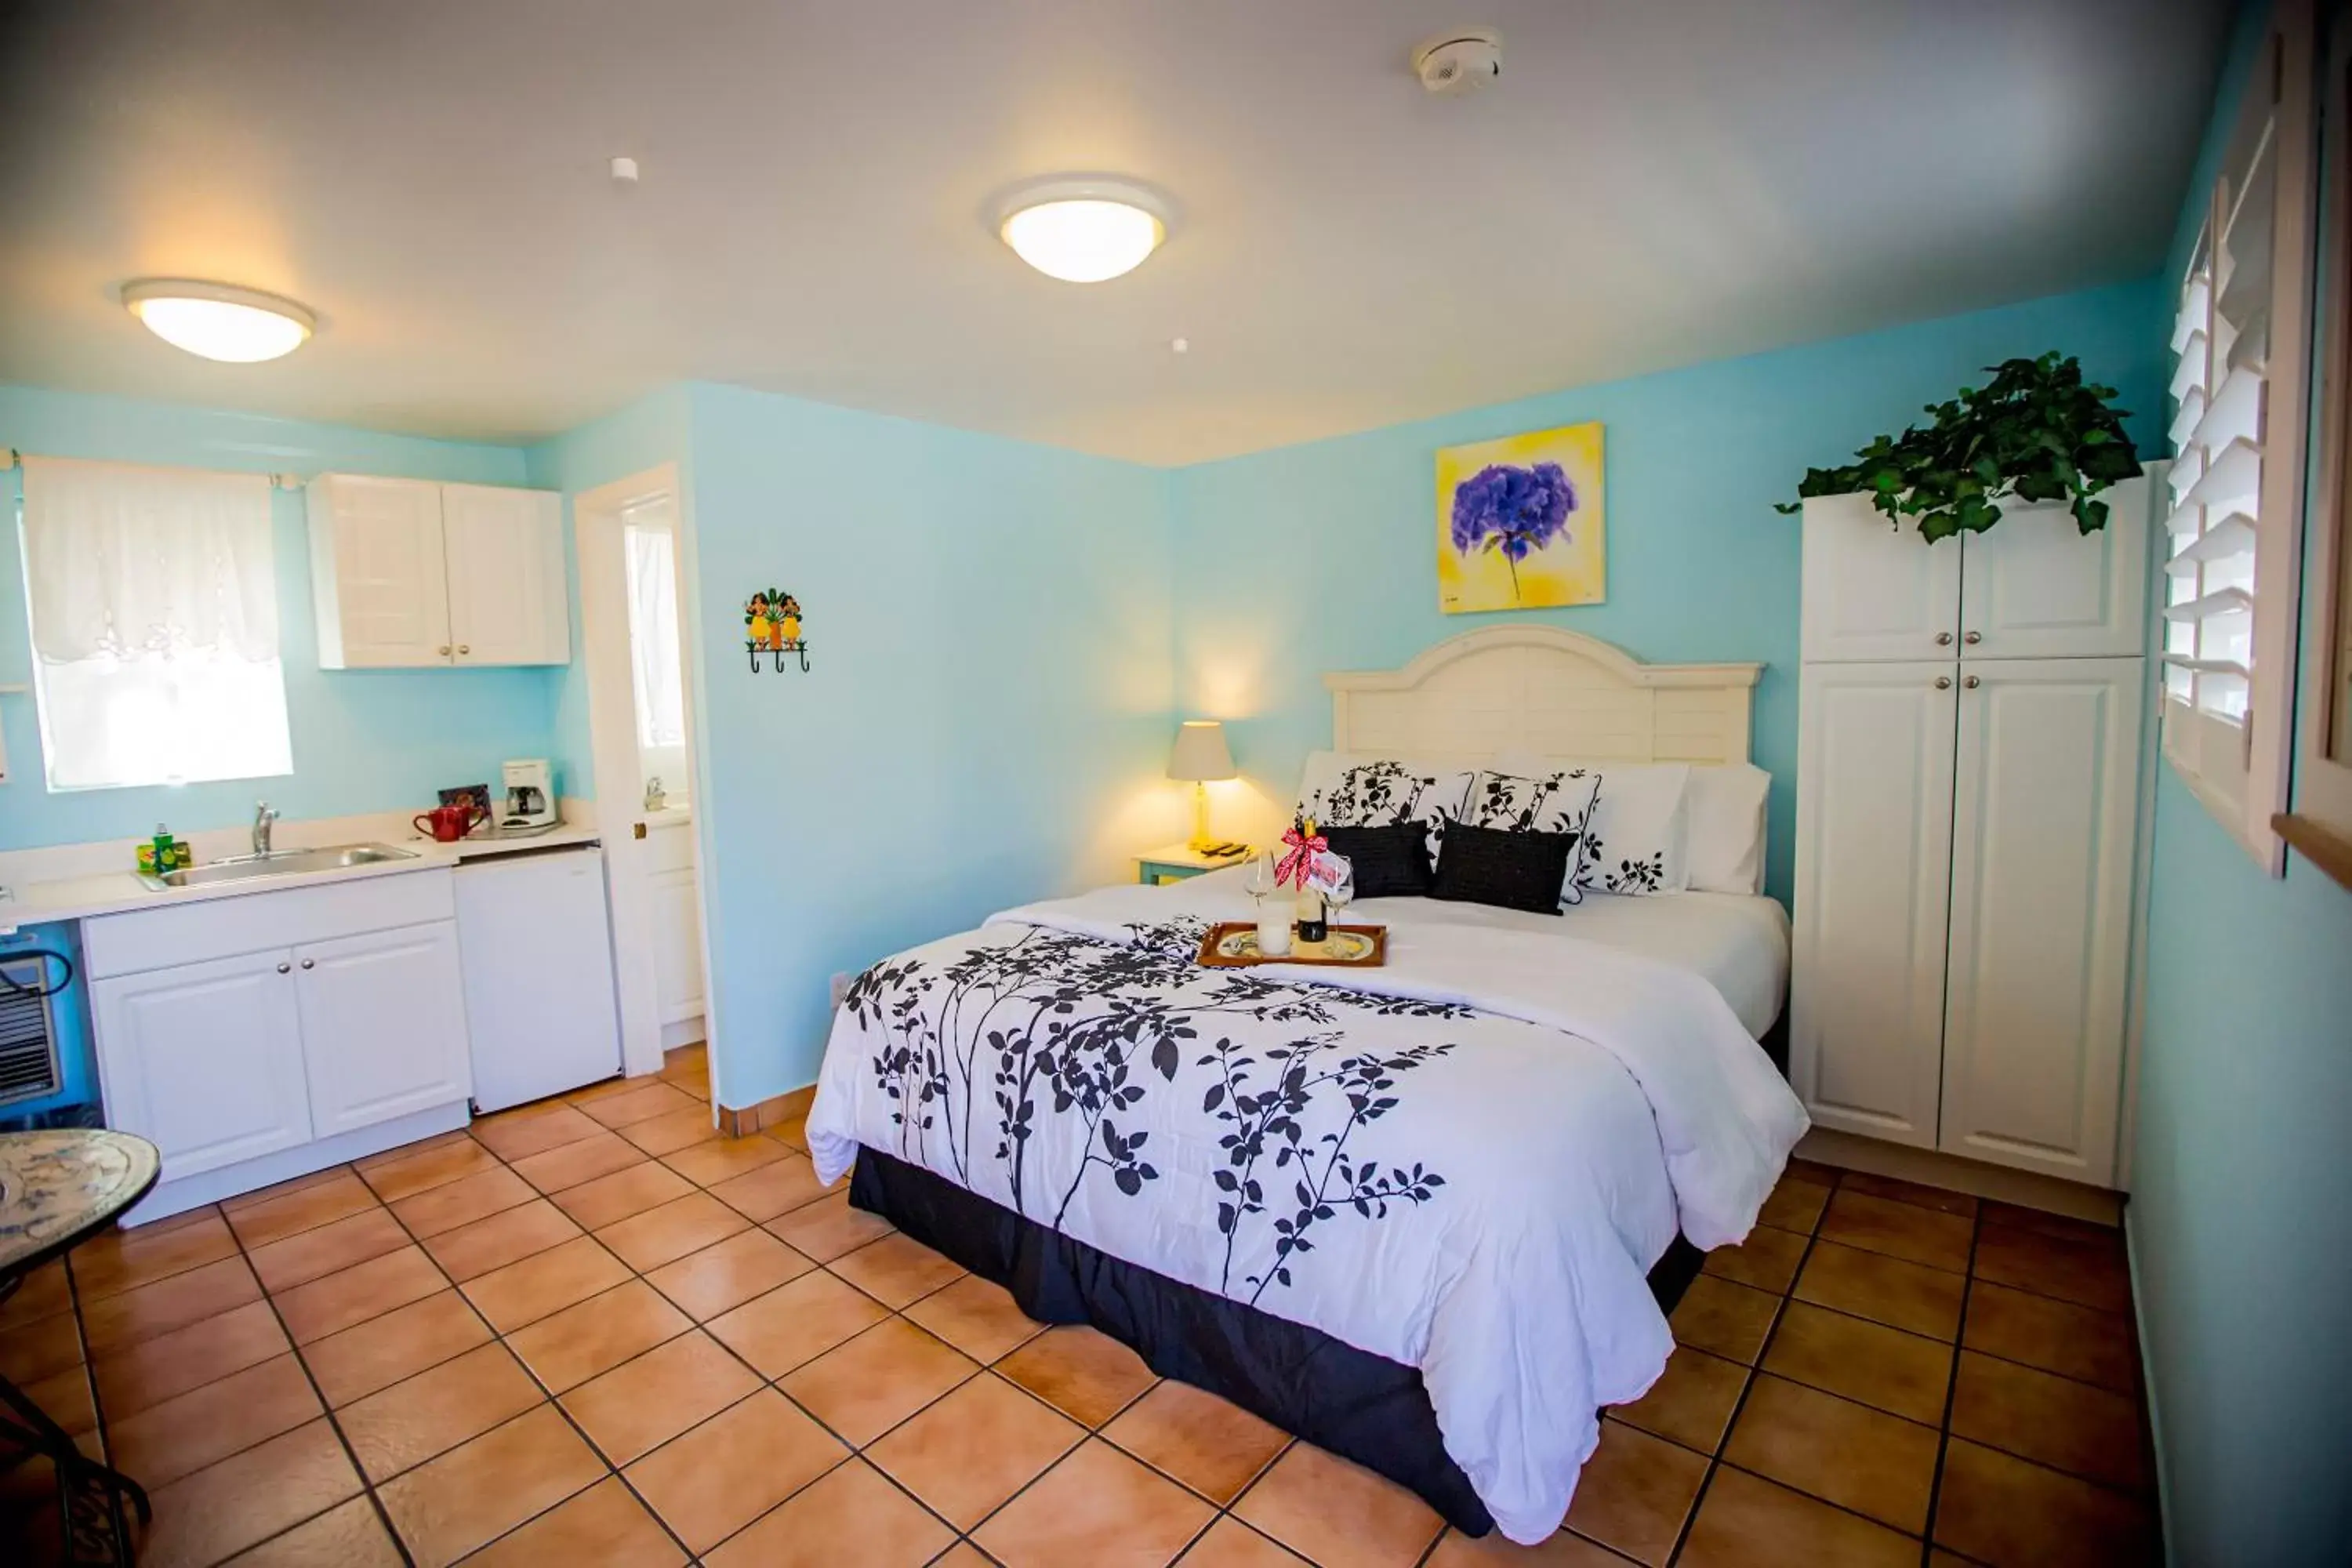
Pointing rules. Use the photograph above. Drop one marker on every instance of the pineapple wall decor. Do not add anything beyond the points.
(771, 625)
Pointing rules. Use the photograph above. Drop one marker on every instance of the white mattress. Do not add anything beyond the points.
(1740, 941)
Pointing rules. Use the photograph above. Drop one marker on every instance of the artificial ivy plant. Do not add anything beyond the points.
(2036, 431)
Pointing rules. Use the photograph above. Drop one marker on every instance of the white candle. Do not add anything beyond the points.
(1274, 927)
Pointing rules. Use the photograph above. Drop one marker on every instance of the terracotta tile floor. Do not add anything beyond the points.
(591, 1331)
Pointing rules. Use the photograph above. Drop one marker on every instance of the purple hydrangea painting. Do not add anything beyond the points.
(1519, 521)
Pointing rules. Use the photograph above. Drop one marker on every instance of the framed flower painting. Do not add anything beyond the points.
(1520, 522)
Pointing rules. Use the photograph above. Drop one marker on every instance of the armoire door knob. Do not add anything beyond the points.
(1972, 638)
(1943, 640)
(1943, 683)
(310, 964)
(285, 969)
(1972, 683)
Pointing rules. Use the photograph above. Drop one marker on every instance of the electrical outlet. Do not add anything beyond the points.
(841, 982)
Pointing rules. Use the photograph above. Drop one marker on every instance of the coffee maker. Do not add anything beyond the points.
(529, 793)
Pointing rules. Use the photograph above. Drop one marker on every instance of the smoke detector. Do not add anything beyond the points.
(1457, 61)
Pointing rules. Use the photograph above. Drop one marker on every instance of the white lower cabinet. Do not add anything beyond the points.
(204, 1060)
(383, 1025)
(248, 1053)
(2041, 871)
(1874, 880)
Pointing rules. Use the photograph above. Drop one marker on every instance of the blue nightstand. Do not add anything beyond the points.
(1174, 862)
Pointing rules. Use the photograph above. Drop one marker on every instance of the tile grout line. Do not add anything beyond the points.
(334, 1425)
(1755, 1371)
(1951, 1396)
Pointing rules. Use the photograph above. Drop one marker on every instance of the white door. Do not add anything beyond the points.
(539, 974)
(2048, 771)
(1873, 866)
(204, 1060)
(376, 571)
(508, 599)
(2036, 586)
(1872, 592)
(676, 927)
(383, 1025)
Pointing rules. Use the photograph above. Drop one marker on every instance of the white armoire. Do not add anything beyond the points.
(1968, 751)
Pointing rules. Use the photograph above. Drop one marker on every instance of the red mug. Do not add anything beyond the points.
(448, 824)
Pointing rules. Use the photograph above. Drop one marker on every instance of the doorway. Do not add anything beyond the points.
(635, 631)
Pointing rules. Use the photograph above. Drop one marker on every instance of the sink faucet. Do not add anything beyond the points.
(263, 818)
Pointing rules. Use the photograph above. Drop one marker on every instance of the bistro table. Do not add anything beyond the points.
(58, 1189)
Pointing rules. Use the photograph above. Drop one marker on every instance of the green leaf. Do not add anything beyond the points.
(2036, 431)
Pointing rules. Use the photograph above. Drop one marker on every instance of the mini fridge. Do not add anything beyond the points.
(538, 954)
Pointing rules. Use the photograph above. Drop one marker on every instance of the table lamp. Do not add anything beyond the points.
(1200, 756)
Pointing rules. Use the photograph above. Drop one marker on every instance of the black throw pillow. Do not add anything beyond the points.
(1390, 862)
(1510, 870)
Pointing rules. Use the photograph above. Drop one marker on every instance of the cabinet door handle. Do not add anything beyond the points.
(1972, 638)
(310, 964)
(445, 650)
(1971, 683)
(285, 969)
(1943, 683)
(1943, 640)
(464, 649)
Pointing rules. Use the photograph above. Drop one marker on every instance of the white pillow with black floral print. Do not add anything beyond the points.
(1346, 789)
(1557, 801)
(1639, 841)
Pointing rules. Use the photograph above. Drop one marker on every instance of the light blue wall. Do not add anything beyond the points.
(647, 433)
(364, 739)
(2240, 1215)
(985, 720)
(1700, 567)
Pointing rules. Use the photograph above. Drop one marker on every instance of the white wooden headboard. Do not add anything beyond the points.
(1547, 691)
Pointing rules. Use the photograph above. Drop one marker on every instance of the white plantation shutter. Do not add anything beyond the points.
(2234, 534)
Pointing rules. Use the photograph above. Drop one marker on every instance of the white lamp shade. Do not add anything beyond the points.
(1200, 752)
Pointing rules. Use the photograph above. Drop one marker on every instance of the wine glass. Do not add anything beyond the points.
(1342, 889)
(1260, 882)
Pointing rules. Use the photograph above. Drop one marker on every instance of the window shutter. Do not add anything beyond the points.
(2239, 349)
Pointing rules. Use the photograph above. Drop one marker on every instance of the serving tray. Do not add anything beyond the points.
(1233, 945)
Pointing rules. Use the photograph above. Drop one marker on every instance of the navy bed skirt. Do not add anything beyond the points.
(1361, 1406)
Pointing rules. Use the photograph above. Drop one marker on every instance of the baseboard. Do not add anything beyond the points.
(686, 1031)
(2148, 1389)
(2026, 1189)
(768, 1112)
(267, 1170)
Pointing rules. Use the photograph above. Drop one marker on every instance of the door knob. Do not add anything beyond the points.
(445, 650)
(462, 647)
(1972, 638)
(1943, 683)
(1943, 640)
(310, 964)
(1971, 683)
(285, 969)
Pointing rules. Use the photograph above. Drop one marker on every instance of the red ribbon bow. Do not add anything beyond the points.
(1304, 846)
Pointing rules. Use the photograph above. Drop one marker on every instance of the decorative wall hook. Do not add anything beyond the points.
(771, 625)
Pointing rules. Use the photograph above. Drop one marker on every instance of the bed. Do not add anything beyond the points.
(1429, 1216)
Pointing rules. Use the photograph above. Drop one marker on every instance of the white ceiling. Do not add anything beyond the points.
(1649, 184)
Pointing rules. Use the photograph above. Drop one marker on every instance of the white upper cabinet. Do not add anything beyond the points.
(376, 571)
(2036, 586)
(2042, 874)
(1873, 592)
(1874, 868)
(508, 602)
(2032, 586)
(409, 573)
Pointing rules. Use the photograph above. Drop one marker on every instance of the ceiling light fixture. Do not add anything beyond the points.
(1083, 228)
(240, 326)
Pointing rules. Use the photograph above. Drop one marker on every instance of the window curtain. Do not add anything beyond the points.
(654, 646)
(153, 598)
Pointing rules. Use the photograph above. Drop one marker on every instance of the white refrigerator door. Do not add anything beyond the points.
(539, 974)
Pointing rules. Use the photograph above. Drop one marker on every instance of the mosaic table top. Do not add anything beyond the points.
(58, 1187)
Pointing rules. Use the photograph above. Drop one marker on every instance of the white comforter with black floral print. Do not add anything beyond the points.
(1466, 1161)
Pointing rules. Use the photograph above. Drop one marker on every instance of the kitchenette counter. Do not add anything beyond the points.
(70, 896)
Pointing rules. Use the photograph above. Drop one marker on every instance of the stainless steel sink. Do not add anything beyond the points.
(279, 863)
